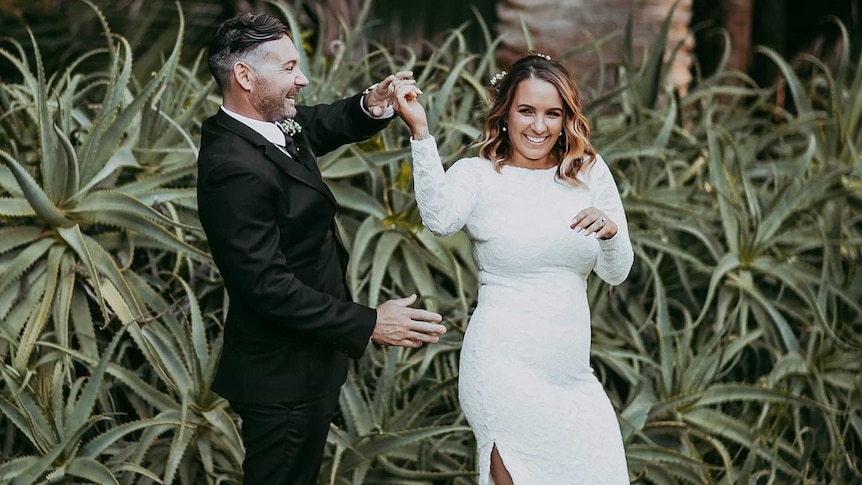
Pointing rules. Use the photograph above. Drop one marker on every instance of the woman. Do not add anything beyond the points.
(543, 211)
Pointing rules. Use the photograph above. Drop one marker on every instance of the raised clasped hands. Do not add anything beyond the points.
(407, 106)
(382, 95)
(593, 221)
(400, 324)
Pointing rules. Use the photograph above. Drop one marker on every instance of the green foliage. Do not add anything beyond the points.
(69, 180)
(97, 204)
(732, 352)
(735, 342)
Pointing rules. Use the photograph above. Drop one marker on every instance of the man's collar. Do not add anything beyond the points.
(266, 129)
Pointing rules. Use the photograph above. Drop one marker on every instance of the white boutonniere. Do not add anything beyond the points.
(289, 126)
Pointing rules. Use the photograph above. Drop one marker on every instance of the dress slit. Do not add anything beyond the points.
(503, 461)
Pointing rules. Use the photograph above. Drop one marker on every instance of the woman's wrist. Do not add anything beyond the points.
(421, 133)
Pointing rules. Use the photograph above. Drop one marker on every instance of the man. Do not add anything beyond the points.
(269, 219)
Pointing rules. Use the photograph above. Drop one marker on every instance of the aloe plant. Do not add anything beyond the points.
(62, 200)
(716, 348)
(63, 428)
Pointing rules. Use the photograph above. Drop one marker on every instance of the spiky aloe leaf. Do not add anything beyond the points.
(62, 306)
(198, 330)
(442, 96)
(38, 199)
(8, 182)
(112, 128)
(367, 231)
(79, 420)
(17, 207)
(672, 462)
(24, 260)
(403, 473)
(98, 445)
(37, 321)
(357, 413)
(383, 255)
(182, 439)
(122, 157)
(91, 470)
(113, 201)
(129, 377)
(15, 466)
(381, 444)
(69, 165)
(219, 419)
(173, 370)
(417, 407)
(16, 236)
(75, 239)
(54, 173)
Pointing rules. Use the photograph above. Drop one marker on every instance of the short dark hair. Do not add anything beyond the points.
(238, 37)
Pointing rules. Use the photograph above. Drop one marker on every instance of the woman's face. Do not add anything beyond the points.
(534, 123)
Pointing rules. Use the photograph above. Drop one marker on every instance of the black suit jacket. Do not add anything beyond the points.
(270, 224)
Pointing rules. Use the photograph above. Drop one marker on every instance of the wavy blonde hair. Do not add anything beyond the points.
(573, 150)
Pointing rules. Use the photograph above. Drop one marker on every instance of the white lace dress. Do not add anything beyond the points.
(525, 381)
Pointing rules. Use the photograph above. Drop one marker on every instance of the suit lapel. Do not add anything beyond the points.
(298, 169)
(305, 169)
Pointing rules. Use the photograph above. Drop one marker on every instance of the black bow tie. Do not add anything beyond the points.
(289, 144)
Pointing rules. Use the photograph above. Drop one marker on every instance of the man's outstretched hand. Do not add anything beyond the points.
(381, 96)
(400, 324)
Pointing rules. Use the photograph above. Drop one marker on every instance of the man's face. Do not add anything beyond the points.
(277, 80)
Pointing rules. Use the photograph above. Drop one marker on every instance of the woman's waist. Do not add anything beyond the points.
(560, 287)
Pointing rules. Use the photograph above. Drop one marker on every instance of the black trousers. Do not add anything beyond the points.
(284, 441)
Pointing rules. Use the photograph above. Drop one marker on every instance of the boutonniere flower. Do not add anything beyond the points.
(289, 126)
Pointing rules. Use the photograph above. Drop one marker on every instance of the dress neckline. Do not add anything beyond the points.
(528, 169)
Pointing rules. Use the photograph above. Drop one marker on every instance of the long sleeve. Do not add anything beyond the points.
(329, 126)
(445, 199)
(616, 255)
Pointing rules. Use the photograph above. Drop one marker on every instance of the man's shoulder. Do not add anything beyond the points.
(220, 132)
(222, 146)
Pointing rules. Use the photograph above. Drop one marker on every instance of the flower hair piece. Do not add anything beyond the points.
(289, 126)
(544, 56)
(497, 78)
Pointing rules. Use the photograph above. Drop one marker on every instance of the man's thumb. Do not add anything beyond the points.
(406, 301)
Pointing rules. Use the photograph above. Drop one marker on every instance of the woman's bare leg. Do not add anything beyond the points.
(498, 470)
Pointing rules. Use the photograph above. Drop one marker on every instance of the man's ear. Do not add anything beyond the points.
(244, 75)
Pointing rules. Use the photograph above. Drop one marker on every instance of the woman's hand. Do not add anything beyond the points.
(593, 221)
(406, 105)
(379, 96)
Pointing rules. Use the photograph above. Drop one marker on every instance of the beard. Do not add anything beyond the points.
(271, 104)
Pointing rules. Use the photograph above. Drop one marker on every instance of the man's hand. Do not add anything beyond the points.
(382, 95)
(399, 324)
